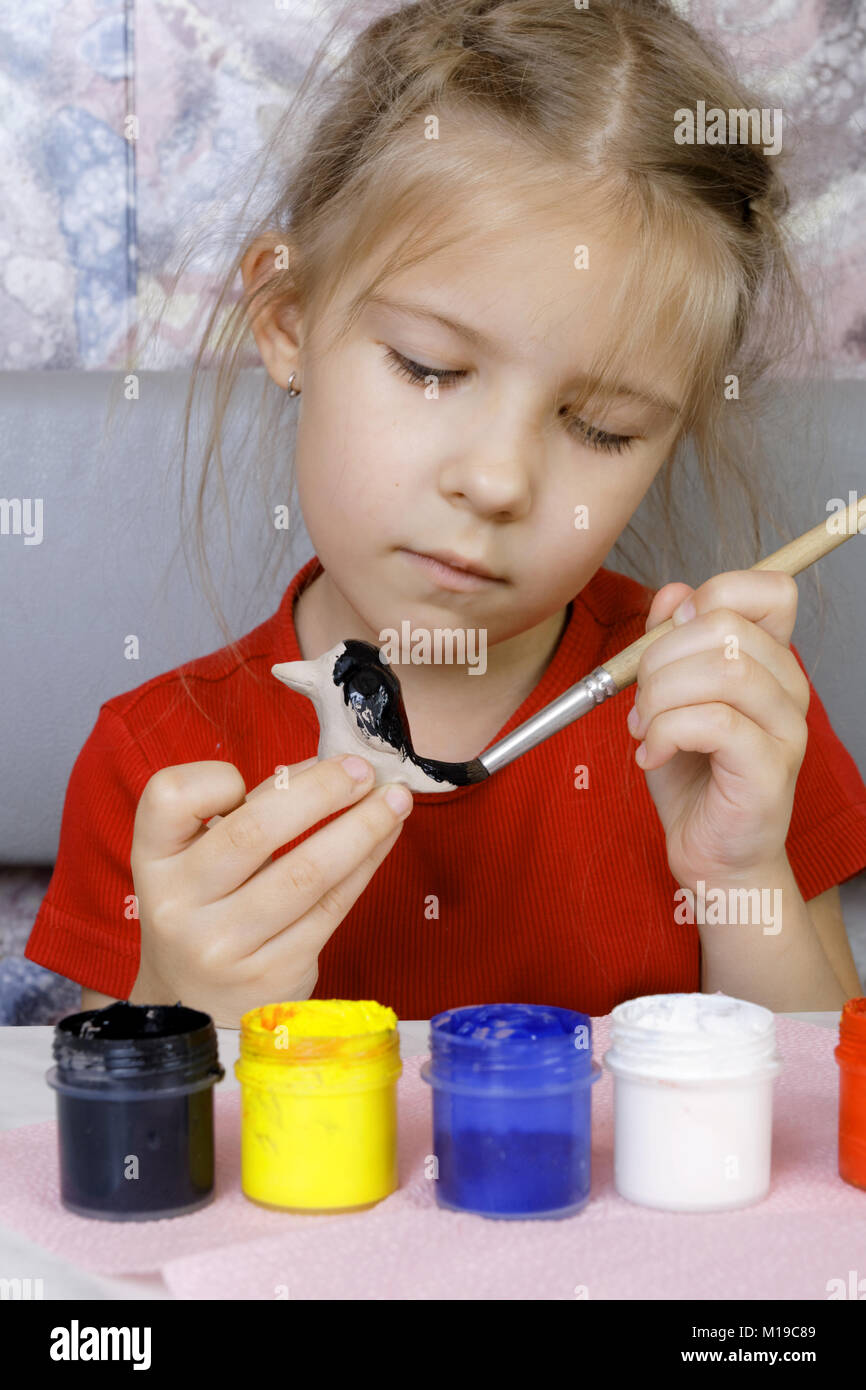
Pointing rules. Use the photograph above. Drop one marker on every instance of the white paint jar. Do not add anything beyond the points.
(693, 1100)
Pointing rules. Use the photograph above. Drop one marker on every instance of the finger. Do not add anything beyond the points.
(290, 887)
(666, 600)
(740, 752)
(306, 937)
(730, 636)
(281, 772)
(177, 799)
(766, 597)
(291, 771)
(230, 853)
(707, 678)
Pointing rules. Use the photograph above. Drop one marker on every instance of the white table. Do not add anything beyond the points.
(25, 1097)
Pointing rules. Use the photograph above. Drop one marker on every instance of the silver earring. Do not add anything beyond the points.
(290, 388)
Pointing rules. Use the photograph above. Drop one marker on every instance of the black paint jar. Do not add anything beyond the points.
(134, 1087)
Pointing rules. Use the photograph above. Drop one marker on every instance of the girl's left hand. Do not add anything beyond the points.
(721, 704)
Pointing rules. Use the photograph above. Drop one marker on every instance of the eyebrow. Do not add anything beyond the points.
(482, 341)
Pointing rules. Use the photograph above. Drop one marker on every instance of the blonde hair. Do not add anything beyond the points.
(559, 101)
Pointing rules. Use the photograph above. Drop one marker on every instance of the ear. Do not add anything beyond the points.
(276, 328)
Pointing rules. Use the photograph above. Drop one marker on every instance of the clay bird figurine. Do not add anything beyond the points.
(360, 710)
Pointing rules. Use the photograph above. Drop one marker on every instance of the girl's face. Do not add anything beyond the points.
(491, 468)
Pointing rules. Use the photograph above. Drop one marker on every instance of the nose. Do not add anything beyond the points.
(494, 466)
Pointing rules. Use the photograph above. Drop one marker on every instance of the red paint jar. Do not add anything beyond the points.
(851, 1056)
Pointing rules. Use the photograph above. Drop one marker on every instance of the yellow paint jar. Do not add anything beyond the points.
(319, 1104)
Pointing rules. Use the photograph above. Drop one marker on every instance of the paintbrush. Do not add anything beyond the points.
(360, 706)
(620, 671)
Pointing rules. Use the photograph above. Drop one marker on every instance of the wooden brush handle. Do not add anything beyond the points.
(797, 555)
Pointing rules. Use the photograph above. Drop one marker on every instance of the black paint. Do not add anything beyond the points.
(372, 690)
(135, 1080)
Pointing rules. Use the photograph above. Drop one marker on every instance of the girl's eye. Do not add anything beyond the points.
(416, 371)
(587, 434)
(600, 439)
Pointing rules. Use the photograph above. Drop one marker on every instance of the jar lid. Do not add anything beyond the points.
(541, 1044)
(311, 1046)
(135, 1040)
(852, 1034)
(852, 1020)
(692, 1036)
(317, 1028)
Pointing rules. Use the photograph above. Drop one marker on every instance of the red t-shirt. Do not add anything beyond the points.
(524, 887)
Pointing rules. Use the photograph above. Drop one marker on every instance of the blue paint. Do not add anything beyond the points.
(512, 1109)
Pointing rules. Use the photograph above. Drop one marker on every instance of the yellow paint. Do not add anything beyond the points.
(324, 1018)
(319, 1103)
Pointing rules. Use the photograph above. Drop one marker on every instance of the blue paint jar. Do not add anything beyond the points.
(134, 1087)
(512, 1109)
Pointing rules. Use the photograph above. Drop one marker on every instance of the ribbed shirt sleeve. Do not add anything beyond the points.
(87, 928)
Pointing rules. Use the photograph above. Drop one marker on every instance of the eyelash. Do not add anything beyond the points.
(416, 372)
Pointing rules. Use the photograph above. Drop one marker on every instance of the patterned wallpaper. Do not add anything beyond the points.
(88, 217)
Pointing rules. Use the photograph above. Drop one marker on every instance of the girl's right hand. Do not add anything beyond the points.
(224, 928)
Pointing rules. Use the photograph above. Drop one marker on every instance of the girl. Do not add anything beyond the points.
(505, 295)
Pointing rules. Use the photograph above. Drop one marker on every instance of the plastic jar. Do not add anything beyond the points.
(511, 1109)
(134, 1088)
(693, 1100)
(319, 1104)
(851, 1057)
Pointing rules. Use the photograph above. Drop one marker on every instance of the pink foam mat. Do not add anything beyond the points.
(809, 1231)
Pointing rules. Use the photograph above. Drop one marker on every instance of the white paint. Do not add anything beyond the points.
(693, 1096)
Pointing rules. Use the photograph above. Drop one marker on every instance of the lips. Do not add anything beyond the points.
(445, 575)
(449, 557)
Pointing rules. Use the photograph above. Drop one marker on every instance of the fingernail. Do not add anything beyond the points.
(398, 799)
(685, 612)
(640, 754)
(633, 718)
(357, 769)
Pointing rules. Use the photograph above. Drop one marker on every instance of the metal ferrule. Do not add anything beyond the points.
(592, 690)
